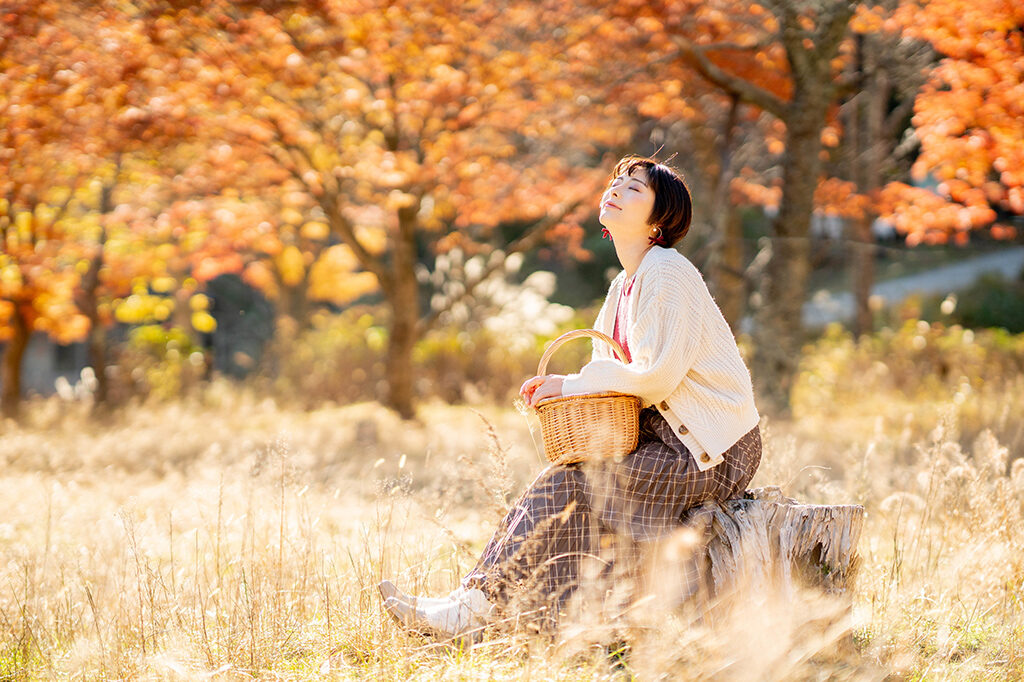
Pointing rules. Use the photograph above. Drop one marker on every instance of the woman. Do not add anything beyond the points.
(699, 438)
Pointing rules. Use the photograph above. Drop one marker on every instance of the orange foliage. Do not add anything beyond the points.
(46, 122)
(840, 198)
(970, 115)
(746, 190)
(924, 216)
(372, 111)
(87, 136)
(969, 118)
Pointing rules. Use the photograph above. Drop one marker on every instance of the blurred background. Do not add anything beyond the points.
(333, 202)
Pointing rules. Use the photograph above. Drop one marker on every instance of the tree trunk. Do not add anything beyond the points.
(399, 372)
(863, 274)
(727, 281)
(88, 298)
(868, 150)
(181, 316)
(779, 330)
(402, 292)
(98, 360)
(10, 382)
(296, 302)
(88, 302)
(732, 289)
(764, 541)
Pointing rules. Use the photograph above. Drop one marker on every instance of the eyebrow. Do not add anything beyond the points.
(630, 177)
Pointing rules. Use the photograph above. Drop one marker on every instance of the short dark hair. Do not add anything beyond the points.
(673, 209)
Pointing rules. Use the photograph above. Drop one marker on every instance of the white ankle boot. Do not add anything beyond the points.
(389, 589)
(448, 618)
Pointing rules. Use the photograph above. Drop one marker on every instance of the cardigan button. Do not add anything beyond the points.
(705, 457)
(683, 430)
(663, 405)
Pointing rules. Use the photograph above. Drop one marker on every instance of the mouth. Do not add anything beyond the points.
(609, 204)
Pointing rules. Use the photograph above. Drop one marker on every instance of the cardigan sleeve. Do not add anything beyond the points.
(663, 339)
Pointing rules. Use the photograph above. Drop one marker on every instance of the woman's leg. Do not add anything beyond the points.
(646, 494)
(535, 554)
(743, 459)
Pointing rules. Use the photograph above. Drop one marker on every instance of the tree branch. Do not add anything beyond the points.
(345, 229)
(848, 85)
(737, 47)
(894, 122)
(743, 89)
(292, 149)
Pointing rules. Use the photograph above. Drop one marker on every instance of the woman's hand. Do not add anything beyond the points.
(538, 388)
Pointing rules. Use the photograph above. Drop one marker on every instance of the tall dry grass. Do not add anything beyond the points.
(226, 536)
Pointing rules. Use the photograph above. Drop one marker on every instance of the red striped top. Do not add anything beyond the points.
(619, 333)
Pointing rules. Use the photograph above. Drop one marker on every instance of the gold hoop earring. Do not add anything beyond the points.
(654, 237)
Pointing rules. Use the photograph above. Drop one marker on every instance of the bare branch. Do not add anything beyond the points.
(848, 85)
(743, 89)
(737, 47)
(287, 161)
(896, 119)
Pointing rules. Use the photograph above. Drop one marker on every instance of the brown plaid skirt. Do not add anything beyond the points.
(572, 513)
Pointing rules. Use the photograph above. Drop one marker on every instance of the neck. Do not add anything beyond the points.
(630, 256)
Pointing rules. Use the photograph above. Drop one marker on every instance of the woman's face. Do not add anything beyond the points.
(626, 204)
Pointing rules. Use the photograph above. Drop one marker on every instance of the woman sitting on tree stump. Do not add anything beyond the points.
(698, 437)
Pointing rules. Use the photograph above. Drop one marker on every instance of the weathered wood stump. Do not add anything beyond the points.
(769, 540)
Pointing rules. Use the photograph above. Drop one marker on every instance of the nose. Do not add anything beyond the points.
(614, 192)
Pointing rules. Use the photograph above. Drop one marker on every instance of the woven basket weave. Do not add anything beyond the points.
(593, 426)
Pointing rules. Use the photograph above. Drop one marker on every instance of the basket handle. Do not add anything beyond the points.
(575, 334)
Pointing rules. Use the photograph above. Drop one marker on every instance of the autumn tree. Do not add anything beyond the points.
(134, 139)
(837, 80)
(800, 41)
(138, 131)
(907, 107)
(422, 126)
(163, 215)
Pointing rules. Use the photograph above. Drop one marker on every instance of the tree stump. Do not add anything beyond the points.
(769, 540)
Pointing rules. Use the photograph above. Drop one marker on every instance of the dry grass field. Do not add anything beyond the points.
(228, 537)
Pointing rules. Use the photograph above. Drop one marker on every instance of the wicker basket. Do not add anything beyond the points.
(593, 426)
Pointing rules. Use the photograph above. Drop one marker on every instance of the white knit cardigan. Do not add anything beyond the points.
(684, 357)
